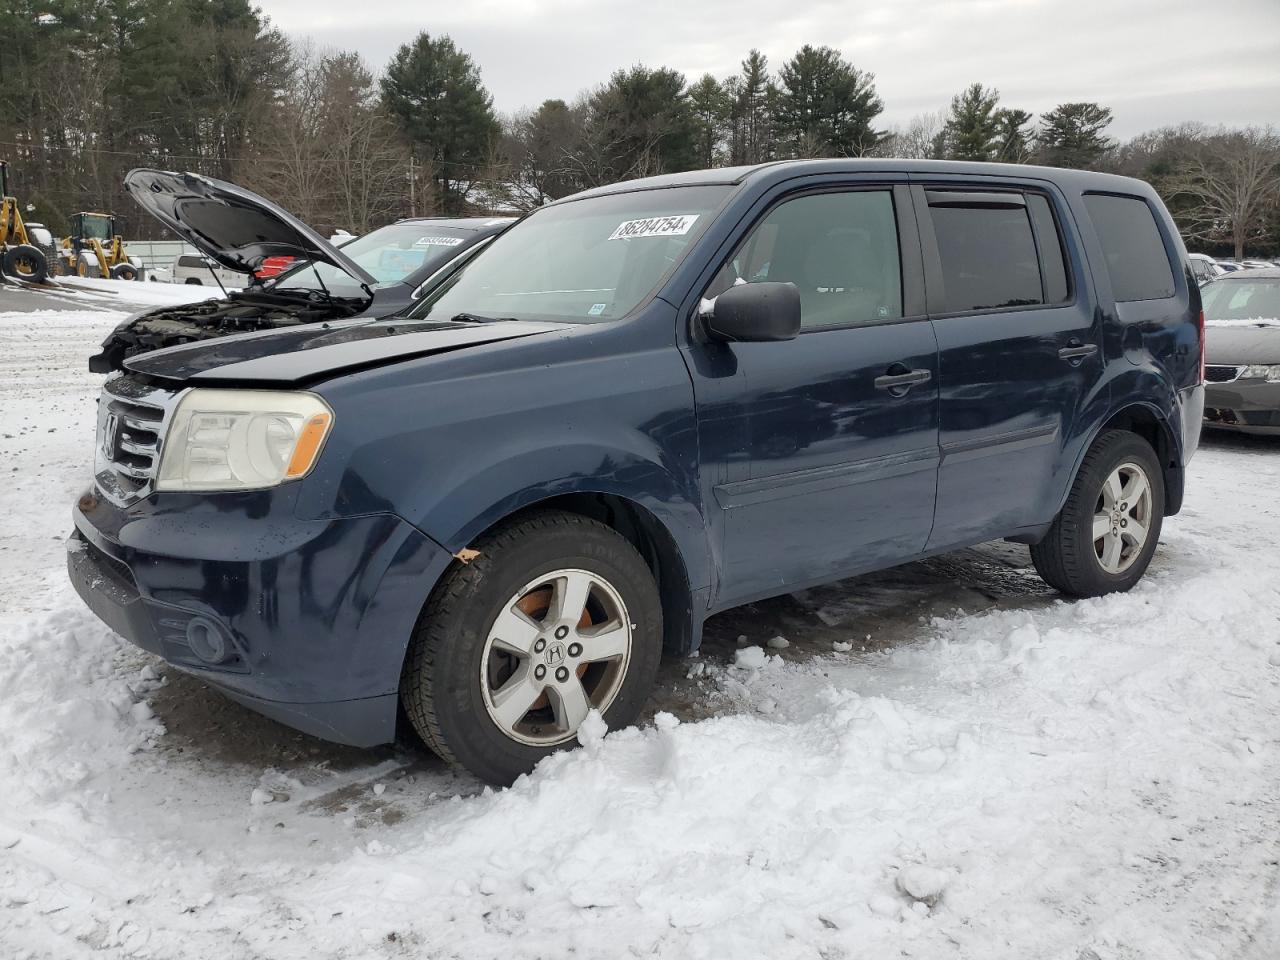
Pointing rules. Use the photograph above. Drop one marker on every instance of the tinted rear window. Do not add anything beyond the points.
(1131, 242)
(1054, 267)
(988, 257)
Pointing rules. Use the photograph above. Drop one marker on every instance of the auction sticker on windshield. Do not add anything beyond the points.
(673, 226)
(437, 241)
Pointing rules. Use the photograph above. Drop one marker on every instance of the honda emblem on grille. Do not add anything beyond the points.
(110, 435)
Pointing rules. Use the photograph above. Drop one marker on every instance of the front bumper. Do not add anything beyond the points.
(310, 618)
(1246, 406)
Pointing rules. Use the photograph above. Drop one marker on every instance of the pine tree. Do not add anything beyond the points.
(1013, 140)
(972, 128)
(433, 91)
(641, 124)
(709, 107)
(751, 96)
(1071, 135)
(826, 106)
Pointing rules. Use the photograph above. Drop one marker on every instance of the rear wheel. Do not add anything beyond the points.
(1107, 532)
(26, 262)
(557, 615)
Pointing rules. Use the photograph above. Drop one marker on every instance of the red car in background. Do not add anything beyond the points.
(273, 267)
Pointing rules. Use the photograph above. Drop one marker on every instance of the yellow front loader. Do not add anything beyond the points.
(19, 257)
(94, 249)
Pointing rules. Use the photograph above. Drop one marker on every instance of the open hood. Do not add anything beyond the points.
(231, 225)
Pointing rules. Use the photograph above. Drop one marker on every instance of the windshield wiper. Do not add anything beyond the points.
(477, 318)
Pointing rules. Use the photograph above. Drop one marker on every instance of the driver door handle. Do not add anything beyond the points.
(1078, 350)
(903, 381)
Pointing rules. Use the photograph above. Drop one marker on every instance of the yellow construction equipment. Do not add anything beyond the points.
(94, 249)
(19, 257)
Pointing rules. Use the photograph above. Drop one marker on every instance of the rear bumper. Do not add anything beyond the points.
(1248, 406)
(304, 621)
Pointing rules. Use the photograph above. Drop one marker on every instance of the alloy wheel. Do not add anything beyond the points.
(1122, 518)
(559, 648)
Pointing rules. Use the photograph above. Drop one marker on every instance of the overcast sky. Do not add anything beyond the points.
(1154, 62)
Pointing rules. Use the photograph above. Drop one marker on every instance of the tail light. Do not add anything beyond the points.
(1200, 333)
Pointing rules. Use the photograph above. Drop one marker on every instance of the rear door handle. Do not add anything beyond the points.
(903, 381)
(1078, 351)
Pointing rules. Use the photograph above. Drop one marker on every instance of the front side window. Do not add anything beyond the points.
(583, 261)
(988, 256)
(839, 249)
(1131, 242)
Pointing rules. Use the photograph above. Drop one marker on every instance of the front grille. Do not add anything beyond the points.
(131, 422)
(1221, 374)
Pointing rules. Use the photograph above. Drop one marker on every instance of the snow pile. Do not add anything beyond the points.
(88, 692)
(1065, 780)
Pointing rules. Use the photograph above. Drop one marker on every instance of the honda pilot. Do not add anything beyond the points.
(637, 407)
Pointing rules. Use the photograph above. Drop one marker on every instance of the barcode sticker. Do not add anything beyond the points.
(673, 226)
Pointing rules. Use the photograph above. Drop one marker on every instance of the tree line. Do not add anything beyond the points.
(87, 92)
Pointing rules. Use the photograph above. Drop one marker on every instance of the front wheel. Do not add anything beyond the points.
(557, 615)
(27, 262)
(1105, 536)
(124, 271)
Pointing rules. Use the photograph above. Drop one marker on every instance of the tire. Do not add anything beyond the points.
(124, 271)
(26, 262)
(456, 670)
(87, 265)
(1069, 558)
(194, 282)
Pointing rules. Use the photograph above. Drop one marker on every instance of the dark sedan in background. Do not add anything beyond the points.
(1242, 351)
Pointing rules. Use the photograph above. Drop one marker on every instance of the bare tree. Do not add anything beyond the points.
(916, 140)
(1231, 186)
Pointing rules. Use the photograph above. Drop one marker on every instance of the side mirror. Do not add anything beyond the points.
(756, 312)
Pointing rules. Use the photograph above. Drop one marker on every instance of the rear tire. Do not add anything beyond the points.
(26, 262)
(502, 669)
(1103, 540)
(87, 265)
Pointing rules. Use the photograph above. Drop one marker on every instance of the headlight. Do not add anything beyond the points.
(1268, 372)
(242, 439)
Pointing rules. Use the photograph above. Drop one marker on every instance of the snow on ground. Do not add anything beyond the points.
(1088, 781)
(142, 293)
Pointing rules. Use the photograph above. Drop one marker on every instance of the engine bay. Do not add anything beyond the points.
(240, 312)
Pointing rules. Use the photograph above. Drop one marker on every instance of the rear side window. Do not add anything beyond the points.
(988, 256)
(1131, 242)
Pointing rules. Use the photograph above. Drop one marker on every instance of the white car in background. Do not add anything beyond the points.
(1204, 268)
(195, 269)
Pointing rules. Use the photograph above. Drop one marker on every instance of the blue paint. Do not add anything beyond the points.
(760, 467)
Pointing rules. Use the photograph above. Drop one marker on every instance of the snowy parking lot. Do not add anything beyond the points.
(940, 761)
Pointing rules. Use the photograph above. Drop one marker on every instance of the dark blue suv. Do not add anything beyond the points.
(637, 407)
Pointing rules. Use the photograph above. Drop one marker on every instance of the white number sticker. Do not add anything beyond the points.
(437, 241)
(673, 226)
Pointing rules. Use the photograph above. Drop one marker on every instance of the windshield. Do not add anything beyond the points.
(1242, 302)
(584, 261)
(96, 227)
(389, 254)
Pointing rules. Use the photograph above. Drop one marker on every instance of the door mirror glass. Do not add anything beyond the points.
(755, 312)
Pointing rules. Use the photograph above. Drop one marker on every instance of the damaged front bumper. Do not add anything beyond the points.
(304, 621)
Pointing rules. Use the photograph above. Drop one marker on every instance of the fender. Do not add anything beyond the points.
(455, 443)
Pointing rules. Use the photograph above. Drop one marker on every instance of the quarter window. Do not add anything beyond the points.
(1133, 247)
(839, 249)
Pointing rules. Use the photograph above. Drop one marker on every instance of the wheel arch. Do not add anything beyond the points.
(643, 529)
(1148, 422)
